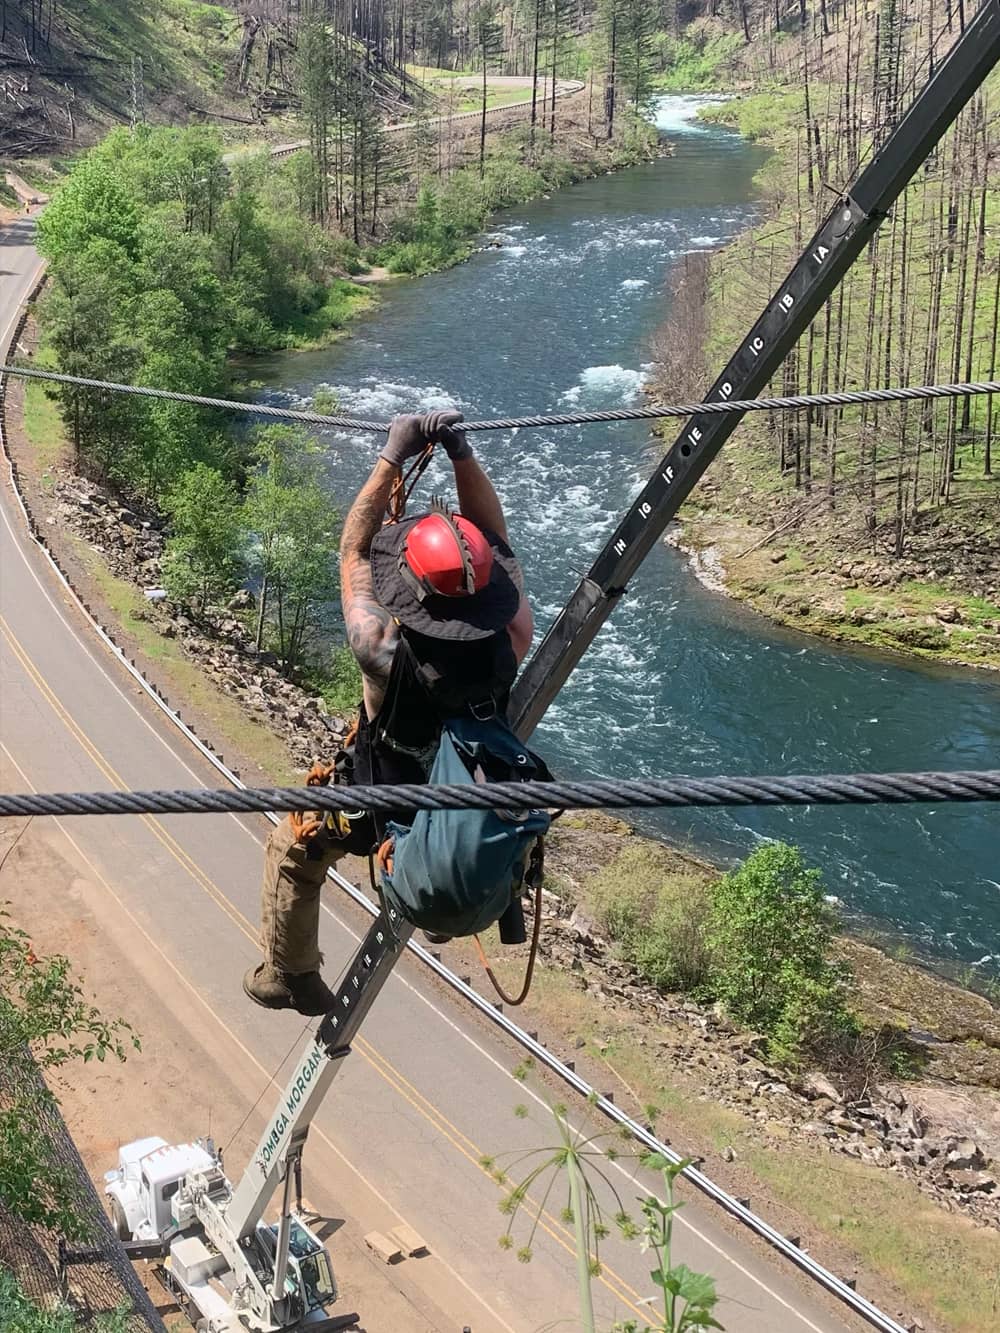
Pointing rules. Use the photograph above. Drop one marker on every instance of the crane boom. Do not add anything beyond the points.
(286, 1130)
(814, 278)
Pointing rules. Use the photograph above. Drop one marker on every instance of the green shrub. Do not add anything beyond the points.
(769, 933)
(338, 681)
(696, 60)
(18, 1314)
(655, 916)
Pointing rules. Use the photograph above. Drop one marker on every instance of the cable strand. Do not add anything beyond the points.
(794, 403)
(647, 793)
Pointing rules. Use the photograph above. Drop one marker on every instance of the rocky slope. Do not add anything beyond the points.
(131, 542)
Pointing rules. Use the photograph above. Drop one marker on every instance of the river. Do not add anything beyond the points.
(681, 680)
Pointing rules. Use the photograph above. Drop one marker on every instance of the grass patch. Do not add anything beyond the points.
(187, 680)
(344, 301)
(43, 423)
(654, 914)
(940, 1261)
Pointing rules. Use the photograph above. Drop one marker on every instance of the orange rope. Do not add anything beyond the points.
(532, 956)
(403, 487)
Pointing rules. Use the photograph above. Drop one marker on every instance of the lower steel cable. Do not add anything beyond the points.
(648, 793)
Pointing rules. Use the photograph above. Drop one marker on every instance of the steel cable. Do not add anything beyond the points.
(798, 402)
(648, 793)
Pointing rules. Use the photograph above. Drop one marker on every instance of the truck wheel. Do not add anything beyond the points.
(119, 1221)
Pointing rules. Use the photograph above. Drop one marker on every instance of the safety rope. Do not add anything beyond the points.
(647, 793)
(910, 393)
(529, 971)
(404, 485)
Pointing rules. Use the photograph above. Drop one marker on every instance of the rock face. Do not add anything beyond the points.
(132, 544)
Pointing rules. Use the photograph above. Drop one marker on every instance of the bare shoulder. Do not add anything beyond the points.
(371, 631)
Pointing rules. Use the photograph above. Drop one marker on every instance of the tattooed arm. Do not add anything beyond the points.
(371, 630)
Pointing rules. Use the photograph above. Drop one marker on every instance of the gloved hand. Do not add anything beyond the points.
(407, 439)
(409, 435)
(441, 428)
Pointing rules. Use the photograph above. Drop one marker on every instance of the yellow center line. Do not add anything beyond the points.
(378, 1062)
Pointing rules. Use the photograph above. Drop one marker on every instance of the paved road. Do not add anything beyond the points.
(563, 89)
(425, 1093)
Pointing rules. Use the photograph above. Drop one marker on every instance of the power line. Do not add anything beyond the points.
(909, 393)
(797, 789)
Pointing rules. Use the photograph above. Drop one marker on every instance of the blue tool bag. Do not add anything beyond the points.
(455, 872)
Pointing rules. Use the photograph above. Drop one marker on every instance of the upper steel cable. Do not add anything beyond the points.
(903, 394)
(823, 789)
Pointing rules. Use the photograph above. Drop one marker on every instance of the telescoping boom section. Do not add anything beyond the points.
(288, 1125)
(228, 1269)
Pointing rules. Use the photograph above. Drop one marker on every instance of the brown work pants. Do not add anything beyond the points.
(290, 897)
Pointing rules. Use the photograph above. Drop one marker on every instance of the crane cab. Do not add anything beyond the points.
(309, 1281)
(149, 1174)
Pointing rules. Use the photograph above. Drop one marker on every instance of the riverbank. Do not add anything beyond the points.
(875, 528)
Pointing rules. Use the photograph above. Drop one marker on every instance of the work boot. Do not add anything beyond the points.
(306, 992)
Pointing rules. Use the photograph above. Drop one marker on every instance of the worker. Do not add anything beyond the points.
(436, 598)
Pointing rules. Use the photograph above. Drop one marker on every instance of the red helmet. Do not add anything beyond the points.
(447, 556)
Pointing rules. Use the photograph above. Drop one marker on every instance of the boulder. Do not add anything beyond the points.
(816, 1085)
(964, 1156)
(973, 1181)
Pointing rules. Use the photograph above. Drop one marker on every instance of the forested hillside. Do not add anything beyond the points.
(884, 521)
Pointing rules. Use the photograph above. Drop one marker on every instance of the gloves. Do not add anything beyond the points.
(441, 427)
(305, 825)
(409, 435)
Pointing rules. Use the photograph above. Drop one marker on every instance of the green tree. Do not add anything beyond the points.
(87, 316)
(769, 932)
(92, 204)
(46, 1023)
(316, 67)
(295, 526)
(488, 37)
(203, 556)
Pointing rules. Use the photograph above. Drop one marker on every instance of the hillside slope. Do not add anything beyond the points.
(878, 526)
(84, 68)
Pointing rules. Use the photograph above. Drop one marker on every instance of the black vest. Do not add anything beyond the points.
(430, 680)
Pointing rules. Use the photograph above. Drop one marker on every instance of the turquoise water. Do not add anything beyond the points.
(681, 679)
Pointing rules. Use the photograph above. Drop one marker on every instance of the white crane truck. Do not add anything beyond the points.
(230, 1271)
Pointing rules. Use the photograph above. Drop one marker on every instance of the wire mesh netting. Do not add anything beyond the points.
(90, 1273)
